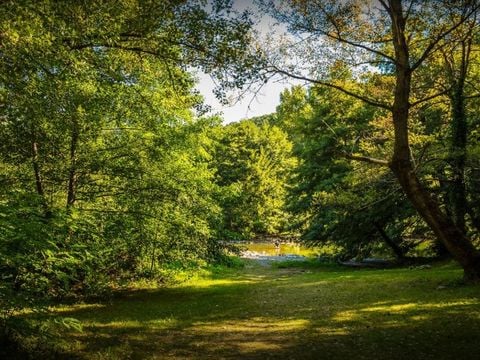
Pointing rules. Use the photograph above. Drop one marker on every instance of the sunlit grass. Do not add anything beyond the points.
(309, 312)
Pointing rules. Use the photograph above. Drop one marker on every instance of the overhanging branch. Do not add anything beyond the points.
(333, 86)
(433, 96)
(367, 159)
(441, 36)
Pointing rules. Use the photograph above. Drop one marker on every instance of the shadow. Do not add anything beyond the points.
(272, 313)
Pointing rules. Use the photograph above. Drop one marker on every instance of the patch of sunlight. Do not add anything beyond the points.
(258, 345)
(378, 303)
(330, 331)
(205, 283)
(251, 335)
(164, 323)
(120, 324)
(419, 317)
(400, 309)
(153, 324)
(348, 315)
(253, 325)
(69, 308)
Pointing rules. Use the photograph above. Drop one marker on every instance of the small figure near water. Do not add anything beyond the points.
(277, 247)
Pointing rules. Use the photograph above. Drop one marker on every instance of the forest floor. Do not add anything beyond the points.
(292, 310)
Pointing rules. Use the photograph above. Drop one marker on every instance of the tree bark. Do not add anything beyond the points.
(36, 169)
(474, 217)
(457, 196)
(38, 175)
(72, 175)
(399, 252)
(457, 193)
(444, 228)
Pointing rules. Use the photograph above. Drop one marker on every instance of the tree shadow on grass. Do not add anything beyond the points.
(288, 316)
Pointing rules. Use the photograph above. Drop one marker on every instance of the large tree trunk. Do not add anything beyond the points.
(457, 192)
(458, 144)
(444, 228)
(454, 240)
(473, 202)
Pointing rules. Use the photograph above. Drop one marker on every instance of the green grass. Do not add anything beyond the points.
(301, 312)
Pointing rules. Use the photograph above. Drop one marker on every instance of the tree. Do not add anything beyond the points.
(354, 205)
(105, 163)
(253, 165)
(457, 63)
(395, 34)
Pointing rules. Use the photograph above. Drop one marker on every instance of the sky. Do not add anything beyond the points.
(262, 103)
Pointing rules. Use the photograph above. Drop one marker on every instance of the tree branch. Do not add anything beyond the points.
(443, 92)
(338, 37)
(367, 159)
(435, 41)
(384, 4)
(333, 86)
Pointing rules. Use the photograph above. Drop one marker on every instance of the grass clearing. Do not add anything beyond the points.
(302, 312)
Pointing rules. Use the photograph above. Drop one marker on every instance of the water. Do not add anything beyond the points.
(268, 248)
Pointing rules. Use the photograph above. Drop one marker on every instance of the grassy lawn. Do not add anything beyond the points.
(302, 312)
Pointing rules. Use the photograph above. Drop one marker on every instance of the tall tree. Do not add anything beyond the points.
(353, 205)
(393, 34)
(457, 56)
(253, 165)
(105, 164)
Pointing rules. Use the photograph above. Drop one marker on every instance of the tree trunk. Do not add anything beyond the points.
(454, 240)
(38, 176)
(457, 193)
(474, 218)
(444, 228)
(399, 252)
(36, 169)
(72, 176)
(458, 145)
(473, 202)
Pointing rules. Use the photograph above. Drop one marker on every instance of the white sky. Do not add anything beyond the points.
(265, 101)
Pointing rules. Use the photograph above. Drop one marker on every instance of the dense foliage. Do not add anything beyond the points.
(254, 162)
(111, 171)
(357, 206)
(105, 160)
(403, 58)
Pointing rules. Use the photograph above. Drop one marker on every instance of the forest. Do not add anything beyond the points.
(116, 177)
